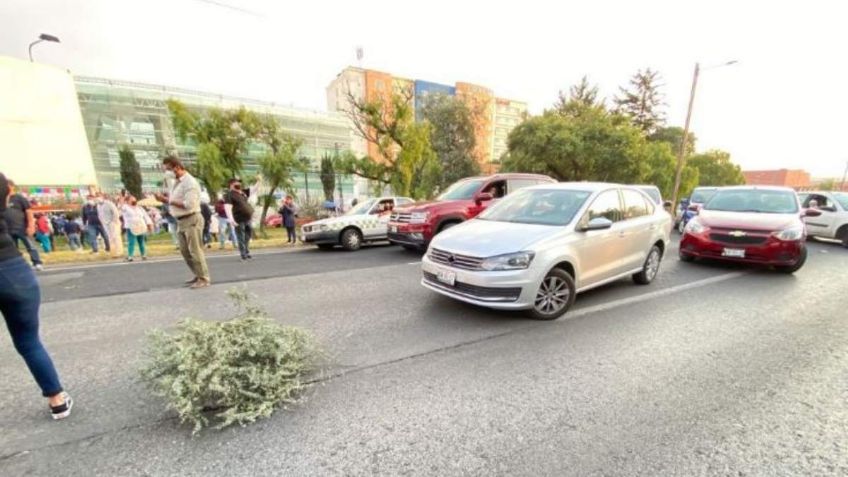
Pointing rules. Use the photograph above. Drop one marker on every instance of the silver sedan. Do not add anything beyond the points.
(536, 249)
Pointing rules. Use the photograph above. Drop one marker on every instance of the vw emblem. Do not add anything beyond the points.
(738, 233)
(451, 258)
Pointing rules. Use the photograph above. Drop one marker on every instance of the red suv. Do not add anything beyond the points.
(414, 226)
(759, 225)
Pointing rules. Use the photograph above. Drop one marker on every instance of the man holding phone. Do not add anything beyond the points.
(184, 205)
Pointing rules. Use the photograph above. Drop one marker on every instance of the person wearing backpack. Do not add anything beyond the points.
(239, 214)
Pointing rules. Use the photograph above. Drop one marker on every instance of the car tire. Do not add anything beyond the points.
(685, 257)
(650, 268)
(446, 226)
(413, 248)
(842, 235)
(326, 246)
(789, 269)
(351, 240)
(555, 295)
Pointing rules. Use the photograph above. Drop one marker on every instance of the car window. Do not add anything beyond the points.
(496, 188)
(404, 201)
(635, 204)
(702, 196)
(462, 190)
(842, 198)
(538, 206)
(518, 184)
(820, 201)
(607, 205)
(654, 193)
(754, 200)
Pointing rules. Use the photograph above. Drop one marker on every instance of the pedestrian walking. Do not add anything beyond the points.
(184, 206)
(137, 225)
(20, 298)
(110, 216)
(240, 214)
(289, 212)
(225, 227)
(206, 213)
(73, 232)
(42, 232)
(93, 225)
(21, 223)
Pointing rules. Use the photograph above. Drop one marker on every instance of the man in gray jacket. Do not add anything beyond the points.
(111, 220)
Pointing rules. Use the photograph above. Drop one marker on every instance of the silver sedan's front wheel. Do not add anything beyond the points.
(650, 268)
(555, 295)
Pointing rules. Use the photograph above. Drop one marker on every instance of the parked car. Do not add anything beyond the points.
(414, 227)
(362, 224)
(833, 221)
(274, 221)
(536, 249)
(750, 224)
(688, 207)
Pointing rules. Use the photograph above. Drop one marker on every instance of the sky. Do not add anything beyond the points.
(781, 106)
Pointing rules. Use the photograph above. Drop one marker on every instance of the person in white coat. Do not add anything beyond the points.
(138, 224)
(111, 219)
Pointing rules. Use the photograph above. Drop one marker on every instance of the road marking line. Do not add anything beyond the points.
(650, 296)
(414, 263)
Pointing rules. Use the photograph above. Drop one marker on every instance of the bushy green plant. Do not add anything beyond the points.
(232, 371)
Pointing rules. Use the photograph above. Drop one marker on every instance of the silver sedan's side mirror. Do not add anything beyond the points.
(598, 223)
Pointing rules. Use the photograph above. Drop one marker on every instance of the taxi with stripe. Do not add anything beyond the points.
(365, 223)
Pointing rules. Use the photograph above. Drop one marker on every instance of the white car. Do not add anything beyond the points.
(366, 222)
(539, 247)
(833, 221)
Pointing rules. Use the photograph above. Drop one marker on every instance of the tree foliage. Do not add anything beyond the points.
(593, 145)
(328, 176)
(716, 169)
(279, 164)
(580, 96)
(643, 101)
(407, 161)
(673, 135)
(229, 130)
(233, 371)
(452, 137)
(130, 171)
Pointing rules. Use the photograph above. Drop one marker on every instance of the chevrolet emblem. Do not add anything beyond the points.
(737, 233)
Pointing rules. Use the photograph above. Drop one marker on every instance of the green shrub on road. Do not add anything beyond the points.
(233, 371)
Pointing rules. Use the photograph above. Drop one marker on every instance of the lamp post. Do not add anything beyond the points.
(42, 37)
(844, 176)
(681, 155)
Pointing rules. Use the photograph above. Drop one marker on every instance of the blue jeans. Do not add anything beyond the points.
(224, 227)
(244, 232)
(95, 230)
(30, 247)
(74, 242)
(20, 298)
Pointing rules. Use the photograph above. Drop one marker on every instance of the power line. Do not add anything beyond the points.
(231, 7)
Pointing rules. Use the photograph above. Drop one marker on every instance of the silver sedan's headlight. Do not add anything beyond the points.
(510, 261)
(323, 228)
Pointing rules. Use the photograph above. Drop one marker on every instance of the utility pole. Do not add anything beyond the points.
(682, 153)
(844, 176)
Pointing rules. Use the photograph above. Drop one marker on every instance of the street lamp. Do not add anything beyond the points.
(682, 153)
(42, 37)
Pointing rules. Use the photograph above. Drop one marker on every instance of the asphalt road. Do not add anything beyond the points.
(711, 370)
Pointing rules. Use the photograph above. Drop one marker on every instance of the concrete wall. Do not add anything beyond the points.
(42, 138)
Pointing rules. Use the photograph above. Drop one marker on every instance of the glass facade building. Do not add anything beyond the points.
(119, 112)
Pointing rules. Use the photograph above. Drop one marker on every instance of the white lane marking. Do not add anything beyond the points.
(414, 263)
(650, 296)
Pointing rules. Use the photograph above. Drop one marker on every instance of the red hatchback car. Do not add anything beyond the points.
(758, 225)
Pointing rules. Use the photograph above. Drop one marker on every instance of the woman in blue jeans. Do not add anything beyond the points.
(20, 298)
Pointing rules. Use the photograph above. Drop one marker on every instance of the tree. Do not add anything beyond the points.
(642, 103)
(716, 169)
(210, 168)
(662, 166)
(130, 171)
(591, 146)
(278, 165)
(407, 161)
(452, 137)
(229, 130)
(673, 135)
(328, 176)
(583, 95)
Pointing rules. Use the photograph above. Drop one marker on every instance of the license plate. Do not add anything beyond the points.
(734, 252)
(393, 229)
(446, 277)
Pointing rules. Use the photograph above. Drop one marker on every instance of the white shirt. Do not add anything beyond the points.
(185, 190)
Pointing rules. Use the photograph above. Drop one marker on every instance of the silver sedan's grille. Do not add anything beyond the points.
(453, 260)
(404, 217)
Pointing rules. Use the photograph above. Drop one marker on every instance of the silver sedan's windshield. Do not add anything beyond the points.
(538, 206)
